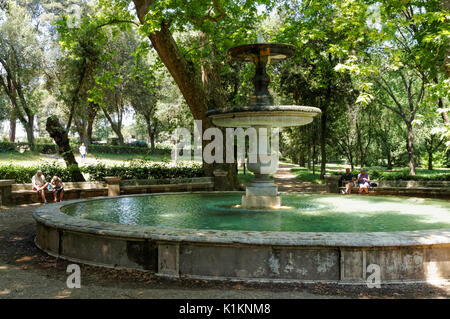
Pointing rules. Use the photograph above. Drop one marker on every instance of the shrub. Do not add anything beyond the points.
(138, 144)
(46, 148)
(113, 149)
(403, 175)
(7, 147)
(140, 169)
(135, 170)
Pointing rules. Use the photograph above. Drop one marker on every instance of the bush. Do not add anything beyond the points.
(138, 144)
(23, 175)
(7, 147)
(15, 147)
(403, 175)
(46, 148)
(113, 149)
(135, 170)
(43, 140)
(140, 169)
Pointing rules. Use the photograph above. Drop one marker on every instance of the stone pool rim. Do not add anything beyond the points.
(250, 256)
(51, 215)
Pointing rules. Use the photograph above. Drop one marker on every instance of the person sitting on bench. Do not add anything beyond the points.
(56, 186)
(363, 181)
(347, 180)
(39, 184)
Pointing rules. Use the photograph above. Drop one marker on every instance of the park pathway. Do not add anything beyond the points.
(288, 182)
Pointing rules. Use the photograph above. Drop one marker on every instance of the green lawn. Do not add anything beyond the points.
(32, 158)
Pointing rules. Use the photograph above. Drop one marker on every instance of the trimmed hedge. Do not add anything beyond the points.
(143, 170)
(404, 176)
(113, 149)
(139, 169)
(23, 175)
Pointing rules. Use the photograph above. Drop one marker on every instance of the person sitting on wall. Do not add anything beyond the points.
(363, 181)
(39, 184)
(56, 187)
(347, 180)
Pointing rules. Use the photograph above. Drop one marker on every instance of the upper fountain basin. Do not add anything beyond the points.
(267, 116)
(274, 51)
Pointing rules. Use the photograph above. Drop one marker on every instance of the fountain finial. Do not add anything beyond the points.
(261, 54)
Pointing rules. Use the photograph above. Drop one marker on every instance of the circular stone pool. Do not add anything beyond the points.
(302, 213)
(326, 238)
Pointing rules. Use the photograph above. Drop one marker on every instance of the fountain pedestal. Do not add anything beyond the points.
(261, 194)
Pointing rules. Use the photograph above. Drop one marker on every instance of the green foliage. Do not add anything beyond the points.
(404, 176)
(113, 149)
(7, 147)
(139, 169)
(23, 174)
(138, 144)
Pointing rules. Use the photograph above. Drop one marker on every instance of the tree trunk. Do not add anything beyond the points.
(323, 134)
(410, 149)
(59, 135)
(116, 127)
(188, 80)
(29, 130)
(301, 161)
(430, 160)
(90, 127)
(389, 160)
(151, 133)
(12, 124)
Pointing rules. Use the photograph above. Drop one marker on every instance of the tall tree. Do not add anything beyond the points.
(197, 79)
(21, 66)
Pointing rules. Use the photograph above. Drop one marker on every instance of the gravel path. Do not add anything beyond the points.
(26, 272)
(288, 182)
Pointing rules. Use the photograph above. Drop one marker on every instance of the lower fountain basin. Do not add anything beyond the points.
(199, 235)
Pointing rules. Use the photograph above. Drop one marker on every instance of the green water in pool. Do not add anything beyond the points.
(305, 212)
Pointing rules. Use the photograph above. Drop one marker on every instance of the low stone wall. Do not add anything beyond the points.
(429, 189)
(407, 256)
(23, 193)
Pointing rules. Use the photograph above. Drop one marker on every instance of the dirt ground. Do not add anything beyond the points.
(27, 272)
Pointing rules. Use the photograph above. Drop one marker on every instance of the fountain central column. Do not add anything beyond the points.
(262, 192)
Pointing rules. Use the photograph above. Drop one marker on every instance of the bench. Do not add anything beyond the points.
(23, 193)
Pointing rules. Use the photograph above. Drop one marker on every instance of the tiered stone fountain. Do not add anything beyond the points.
(321, 238)
(262, 113)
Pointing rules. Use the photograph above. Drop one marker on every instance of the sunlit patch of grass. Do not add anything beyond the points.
(29, 158)
(307, 176)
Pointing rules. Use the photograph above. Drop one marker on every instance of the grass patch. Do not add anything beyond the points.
(307, 176)
(246, 178)
(29, 158)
